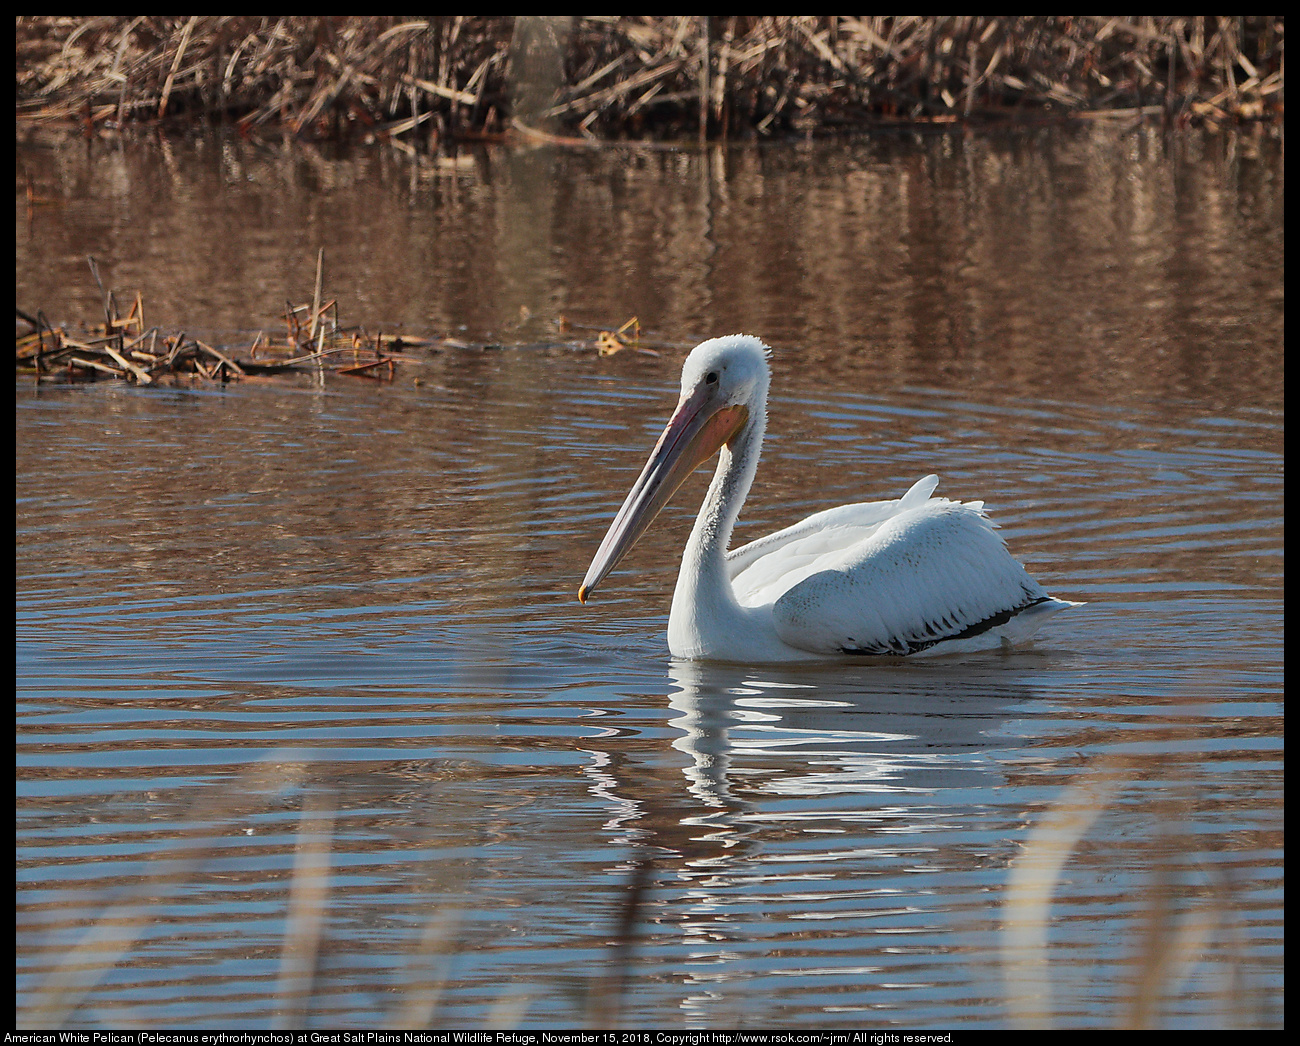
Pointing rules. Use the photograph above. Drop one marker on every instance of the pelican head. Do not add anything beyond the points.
(724, 399)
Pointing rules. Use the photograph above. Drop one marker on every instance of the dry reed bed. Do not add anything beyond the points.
(617, 77)
(124, 348)
(314, 342)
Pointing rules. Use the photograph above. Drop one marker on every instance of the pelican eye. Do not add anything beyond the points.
(711, 378)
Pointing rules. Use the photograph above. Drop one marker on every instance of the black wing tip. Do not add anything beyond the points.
(902, 647)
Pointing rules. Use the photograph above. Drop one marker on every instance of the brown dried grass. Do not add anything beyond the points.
(313, 342)
(619, 77)
(124, 348)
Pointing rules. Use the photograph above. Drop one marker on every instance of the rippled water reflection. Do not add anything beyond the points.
(313, 629)
(313, 731)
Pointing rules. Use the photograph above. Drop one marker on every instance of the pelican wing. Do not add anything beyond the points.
(755, 568)
(931, 572)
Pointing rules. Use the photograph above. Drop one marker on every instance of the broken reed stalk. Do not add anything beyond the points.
(315, 301)
(618, 77)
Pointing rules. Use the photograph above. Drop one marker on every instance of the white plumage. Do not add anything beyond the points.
(917, 575)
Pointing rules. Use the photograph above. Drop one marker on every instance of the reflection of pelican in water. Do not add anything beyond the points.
(812, 731)
(912, 576)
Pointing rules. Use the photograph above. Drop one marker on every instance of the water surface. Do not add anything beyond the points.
(313, 731)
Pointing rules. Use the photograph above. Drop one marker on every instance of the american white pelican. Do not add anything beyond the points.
(918, 575)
